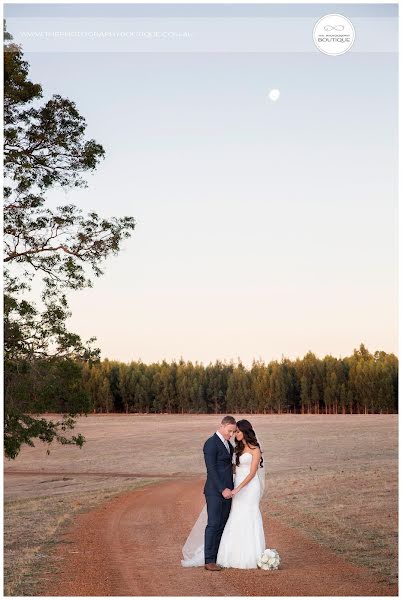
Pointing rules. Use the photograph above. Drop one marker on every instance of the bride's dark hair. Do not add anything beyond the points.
(249, 435)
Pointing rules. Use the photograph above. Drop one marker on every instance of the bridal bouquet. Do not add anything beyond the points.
(269, 560)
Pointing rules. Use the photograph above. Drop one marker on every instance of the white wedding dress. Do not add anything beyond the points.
(243, 539)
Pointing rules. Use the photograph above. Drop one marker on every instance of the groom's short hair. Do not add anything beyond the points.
(228, 419)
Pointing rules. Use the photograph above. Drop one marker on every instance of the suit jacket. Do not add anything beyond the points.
(219, 466)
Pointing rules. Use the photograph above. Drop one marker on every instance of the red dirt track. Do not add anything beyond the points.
(131, 546)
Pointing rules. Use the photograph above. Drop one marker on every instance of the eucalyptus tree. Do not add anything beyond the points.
(45, 148)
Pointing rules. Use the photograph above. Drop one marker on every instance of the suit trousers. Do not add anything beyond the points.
(218, 509)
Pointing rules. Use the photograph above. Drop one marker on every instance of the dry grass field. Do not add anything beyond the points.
(334, 477)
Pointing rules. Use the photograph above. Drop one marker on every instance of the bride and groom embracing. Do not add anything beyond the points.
(229, 531)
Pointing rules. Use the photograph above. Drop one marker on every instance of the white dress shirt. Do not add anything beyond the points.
(224, 441)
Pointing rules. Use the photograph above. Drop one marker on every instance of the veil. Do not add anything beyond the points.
(193, 549)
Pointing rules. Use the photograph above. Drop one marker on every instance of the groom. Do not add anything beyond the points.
(218, 452)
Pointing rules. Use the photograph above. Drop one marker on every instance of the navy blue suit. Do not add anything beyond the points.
(219, 476)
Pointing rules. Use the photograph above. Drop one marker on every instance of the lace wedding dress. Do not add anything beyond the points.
(243, 539)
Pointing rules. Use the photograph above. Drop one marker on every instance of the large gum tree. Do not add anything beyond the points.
(45, 147)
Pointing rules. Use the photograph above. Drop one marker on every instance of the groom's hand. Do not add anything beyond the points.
(227, 493)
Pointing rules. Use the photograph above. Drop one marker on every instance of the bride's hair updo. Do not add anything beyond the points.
(249, 435)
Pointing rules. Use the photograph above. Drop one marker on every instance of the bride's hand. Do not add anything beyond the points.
(234, 492)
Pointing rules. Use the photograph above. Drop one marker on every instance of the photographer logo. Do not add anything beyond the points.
(334, 34)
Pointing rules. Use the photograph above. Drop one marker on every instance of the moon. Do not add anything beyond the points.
(274, 95)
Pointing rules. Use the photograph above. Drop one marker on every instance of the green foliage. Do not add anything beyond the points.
(45, 146)
(21, 429)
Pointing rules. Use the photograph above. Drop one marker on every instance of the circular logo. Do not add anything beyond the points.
(334, 34)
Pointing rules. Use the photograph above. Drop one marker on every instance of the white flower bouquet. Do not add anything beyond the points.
(269, 560)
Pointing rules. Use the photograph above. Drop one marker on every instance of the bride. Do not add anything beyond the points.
(243, 539)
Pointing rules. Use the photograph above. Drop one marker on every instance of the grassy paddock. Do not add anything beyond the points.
(352, 514)
(335, 477)
(32, 526)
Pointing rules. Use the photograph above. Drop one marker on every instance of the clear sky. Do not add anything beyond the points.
(263, 228)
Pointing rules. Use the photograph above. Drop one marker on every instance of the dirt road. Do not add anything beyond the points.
(131, 546)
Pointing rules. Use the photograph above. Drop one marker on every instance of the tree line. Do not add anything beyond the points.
(361, 383)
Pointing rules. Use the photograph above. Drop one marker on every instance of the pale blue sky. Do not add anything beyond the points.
(263, 228)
